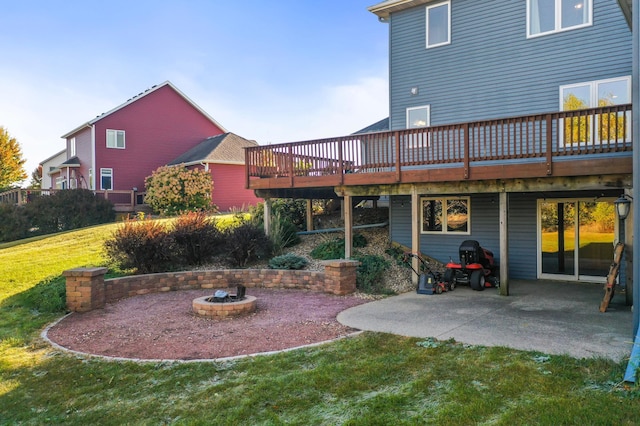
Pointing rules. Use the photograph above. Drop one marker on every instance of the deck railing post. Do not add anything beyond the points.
(549, 144)
(340, 161)
(466, 150)
(19, 196)
(290, 165)
(397, 138)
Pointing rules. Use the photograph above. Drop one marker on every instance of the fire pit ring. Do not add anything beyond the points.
(219, 310)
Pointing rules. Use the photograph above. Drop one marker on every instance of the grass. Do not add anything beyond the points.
(550, 240)
(372, 379)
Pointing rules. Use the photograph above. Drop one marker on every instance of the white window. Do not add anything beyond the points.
(446, 215)
(72, 147)
(115, 139)
(61, 182)
(439, 24)
(593, 94)
(552, 16)
(106, 179)
(418, 117)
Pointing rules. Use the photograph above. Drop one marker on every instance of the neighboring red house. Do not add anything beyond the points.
(223, 157)
(117, 150)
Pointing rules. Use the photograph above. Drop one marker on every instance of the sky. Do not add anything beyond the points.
(271, 71)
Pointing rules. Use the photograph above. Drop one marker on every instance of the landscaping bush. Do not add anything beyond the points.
(174, 190)
(334, 249)
(245, 243)
(14, 223)
(399, 255)
(145, 246)
(294, 211)
(197, 238)
(48, 296)
(288, 261)
(369, 273)
(282, 234)
(66, 210)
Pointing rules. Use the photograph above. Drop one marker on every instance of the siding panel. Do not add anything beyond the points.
(491, 69)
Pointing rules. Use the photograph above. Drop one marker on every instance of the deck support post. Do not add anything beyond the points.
(348, 226)
(504, 243)
(309, 215)
(415, 232)
(267, 216)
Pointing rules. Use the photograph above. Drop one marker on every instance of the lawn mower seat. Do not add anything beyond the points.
(471, 252)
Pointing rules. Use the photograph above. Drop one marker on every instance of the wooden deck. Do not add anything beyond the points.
(589, 142)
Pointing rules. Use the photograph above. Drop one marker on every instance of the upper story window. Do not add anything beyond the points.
(609, 127)
(439, 24)
(418, 117)
(72, 147)
(115, 139)
(552, 16)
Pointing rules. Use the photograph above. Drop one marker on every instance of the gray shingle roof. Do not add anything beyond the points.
(380, 126)
(224, 148)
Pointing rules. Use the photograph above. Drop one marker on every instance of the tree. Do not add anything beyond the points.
(175, 190)
(11, 161)
(36, 178)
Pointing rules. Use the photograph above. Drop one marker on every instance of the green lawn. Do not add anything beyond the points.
(550, 240)
(371, 379)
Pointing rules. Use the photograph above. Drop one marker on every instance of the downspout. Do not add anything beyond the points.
(634, 361)
(94, 173)
(635, 85)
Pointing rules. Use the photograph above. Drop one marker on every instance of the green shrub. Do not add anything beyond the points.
(173, 190)
(334, 249)
(398, 254)
(14, 223)
(49, 296)
(369, 273)
(245, 243)
(288, 261)
(282, 234)
(197, 238)
(294, 211)
(145, 246)
(66, 210)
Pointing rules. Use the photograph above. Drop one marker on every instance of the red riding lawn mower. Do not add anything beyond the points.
(476, 268)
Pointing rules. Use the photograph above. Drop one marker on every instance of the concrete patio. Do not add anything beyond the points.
(546, 316)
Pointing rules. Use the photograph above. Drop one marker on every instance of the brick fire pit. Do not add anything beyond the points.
(203, 308)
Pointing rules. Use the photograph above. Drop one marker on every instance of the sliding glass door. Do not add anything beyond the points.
(575, 238)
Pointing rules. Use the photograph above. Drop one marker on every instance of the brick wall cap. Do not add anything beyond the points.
(337, 263)
(84, 272)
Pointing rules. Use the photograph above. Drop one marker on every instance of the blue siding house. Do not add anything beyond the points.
(509, 123)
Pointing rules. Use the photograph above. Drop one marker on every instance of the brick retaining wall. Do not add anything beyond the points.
(87, 289)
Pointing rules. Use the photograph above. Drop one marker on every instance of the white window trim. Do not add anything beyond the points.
(116, 139)
(593, 88)
(445, 200)
(448, 3)
(413, 142)
(427, 107)
(558, 23)
(72, 147)
(110, 174)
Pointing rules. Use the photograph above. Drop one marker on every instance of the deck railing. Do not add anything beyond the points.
(123, 201)
(541, 137)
